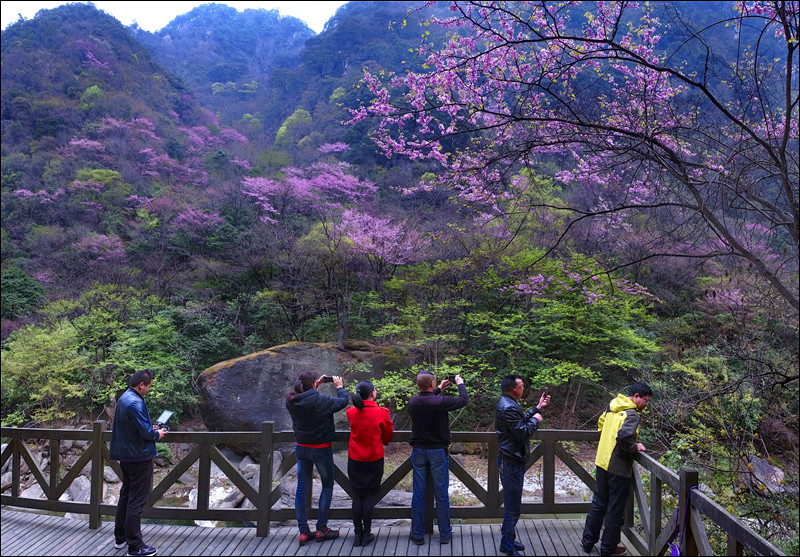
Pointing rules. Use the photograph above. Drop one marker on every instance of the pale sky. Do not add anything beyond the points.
(153, 16)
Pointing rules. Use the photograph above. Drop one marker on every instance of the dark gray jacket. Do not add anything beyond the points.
(312, 415)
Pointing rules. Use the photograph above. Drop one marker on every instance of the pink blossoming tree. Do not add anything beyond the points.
(706, 149)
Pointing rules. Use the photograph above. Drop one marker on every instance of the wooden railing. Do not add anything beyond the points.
(649, 536)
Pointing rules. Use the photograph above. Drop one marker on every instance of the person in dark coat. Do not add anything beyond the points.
(430, 440)
(133, 444)
(514, 430)
(314, 432)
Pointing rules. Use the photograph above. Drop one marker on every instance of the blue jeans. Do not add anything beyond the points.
(435, 462)
(307, 458)
(608, 504)
(512, 478)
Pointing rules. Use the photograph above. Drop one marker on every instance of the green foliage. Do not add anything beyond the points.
(45, 374)
(337, 94)
(228, 88)
(86, 350)
(294, 128)
(165, 452)
(91, 98)
(20, 293)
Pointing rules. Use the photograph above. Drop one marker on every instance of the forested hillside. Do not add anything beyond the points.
(441, 192)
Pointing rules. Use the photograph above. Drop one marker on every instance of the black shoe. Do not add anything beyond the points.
(417, 541)
(586, 548)
(368, 538)
(518, 546)
(305, 537)
(444, 541)
(326, 534)
(143, 551)
(357, 540)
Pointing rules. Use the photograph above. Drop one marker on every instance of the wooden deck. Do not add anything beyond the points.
(25, 533)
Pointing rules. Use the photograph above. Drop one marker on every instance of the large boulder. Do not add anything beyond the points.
(761, 478)
(240, 394)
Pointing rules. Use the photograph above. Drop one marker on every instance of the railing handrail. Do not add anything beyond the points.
(548, 448)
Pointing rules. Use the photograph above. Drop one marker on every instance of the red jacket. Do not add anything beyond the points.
(370, 429)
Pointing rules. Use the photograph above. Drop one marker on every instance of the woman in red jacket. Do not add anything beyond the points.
(370, 429)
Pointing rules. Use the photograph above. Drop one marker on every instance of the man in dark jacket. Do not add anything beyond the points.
(133, 443)
(314, 433)
(430, 438)
(514, 430)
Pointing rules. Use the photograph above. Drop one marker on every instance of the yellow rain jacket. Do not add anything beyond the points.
(619, 430)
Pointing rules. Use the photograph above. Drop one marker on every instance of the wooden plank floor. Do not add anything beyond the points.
(25, 533)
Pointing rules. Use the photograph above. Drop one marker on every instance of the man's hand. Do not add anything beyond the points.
(337, 381)
(459, 380)
(640, 447)
(161, 433)
(444, 384)
(538, 417)
(544, 401)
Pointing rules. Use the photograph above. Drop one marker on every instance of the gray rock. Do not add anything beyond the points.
(250, 471)
(8, 462)
(109, 475)
(246, 462)
(34, 492)
(240, 394)
(80, 490)
(761, 477)
(5, 481)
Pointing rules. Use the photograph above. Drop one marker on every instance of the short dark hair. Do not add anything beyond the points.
(643, 389)
(425, 378)
(509, 382)
(142, 376)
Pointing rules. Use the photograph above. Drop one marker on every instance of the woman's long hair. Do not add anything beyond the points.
(305, 381)
(363, 390)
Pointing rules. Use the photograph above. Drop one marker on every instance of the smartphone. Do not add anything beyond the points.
(326, 379)
(546, 391)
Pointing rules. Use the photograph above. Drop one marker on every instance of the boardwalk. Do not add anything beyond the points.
(37, 534)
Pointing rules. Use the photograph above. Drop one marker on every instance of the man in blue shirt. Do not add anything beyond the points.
(133, 444)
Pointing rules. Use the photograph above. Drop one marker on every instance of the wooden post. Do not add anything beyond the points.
(16, 466)
(96, 493)
(265, 479)
(735, 547)
(688, 479)
(629, 505)
(493, 475)
(549, 472)
(656, 488)
(55, 465)
(203, 476)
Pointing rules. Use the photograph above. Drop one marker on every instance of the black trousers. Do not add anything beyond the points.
(608, 504)
(366, 480)
(137, 482)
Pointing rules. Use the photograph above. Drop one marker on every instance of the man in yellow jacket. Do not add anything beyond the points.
(619, 431)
